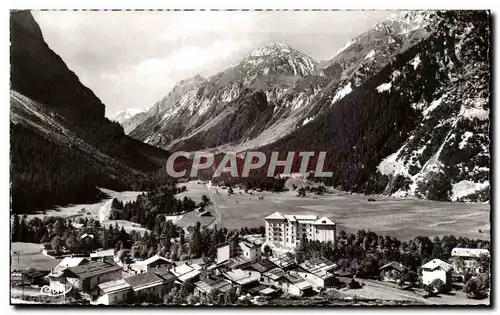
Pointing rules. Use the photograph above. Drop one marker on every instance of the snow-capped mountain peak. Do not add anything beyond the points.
(126, 114)
(278, 58)
(271, 49)
(404, 22)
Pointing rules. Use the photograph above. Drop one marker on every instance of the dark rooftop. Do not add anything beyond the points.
(293, 278)
(33, 273)
(164, 273)
(275, 273)
(93, 268)
(143, 279)
(393, 265)
(262, 266)
(257, 289)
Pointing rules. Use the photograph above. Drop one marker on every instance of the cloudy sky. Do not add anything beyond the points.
(132, 59)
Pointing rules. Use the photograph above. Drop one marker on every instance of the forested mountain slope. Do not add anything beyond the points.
(420, 126)
(62, 146)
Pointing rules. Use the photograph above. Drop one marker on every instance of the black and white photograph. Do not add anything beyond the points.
(250, 158)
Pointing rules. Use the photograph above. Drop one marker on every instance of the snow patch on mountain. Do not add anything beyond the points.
(479, 113)
(307, 120)
(433, 105)
(392, 165)
(465, 138)
(415, 62)
(465, 188)
(384, 87)
(370, 55)
(341, 93)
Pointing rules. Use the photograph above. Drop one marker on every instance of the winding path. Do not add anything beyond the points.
(215, 199)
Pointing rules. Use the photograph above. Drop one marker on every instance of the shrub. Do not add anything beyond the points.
(435, 287)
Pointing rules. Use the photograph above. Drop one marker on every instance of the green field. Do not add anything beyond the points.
(30, 257)
(402, 218)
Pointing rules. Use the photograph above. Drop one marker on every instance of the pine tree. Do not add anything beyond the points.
(15, 229)
(301, 250)
(196, 246)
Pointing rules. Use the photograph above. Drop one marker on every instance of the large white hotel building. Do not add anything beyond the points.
(286, 230)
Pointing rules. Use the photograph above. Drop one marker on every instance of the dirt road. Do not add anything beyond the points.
(373, 289)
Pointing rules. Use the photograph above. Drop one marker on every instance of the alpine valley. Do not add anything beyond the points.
(402, 109)
(61, 145)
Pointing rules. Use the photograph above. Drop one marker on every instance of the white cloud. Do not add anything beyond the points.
(190, 57)
(184, 59)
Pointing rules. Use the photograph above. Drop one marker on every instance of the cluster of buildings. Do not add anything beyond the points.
(109, 277)
(461, 261)
(103, 278)
(242, 266)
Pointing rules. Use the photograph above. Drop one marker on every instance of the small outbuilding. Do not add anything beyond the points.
(392, 271)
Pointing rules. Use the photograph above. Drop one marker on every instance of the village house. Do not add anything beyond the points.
(392, 271)
(86, 277)
(250, 250)
(238, 262)
(254, 238)
(211, 285)
(226, 260)
(28, 277)
(261, 266)
(101, 255)
(33, 277)
(292, 284)
(237, 255)
(47, 250)
(111, 293)
(271, 277)
(436, 269)
(242, 279)
(186, 272)
(250, 246)
(164, 273)
(56, 277)
(150, 263)
(146, 283)
(86, 236)
(283, 261)
(263, 290)
(464, 259)
(318, 272)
